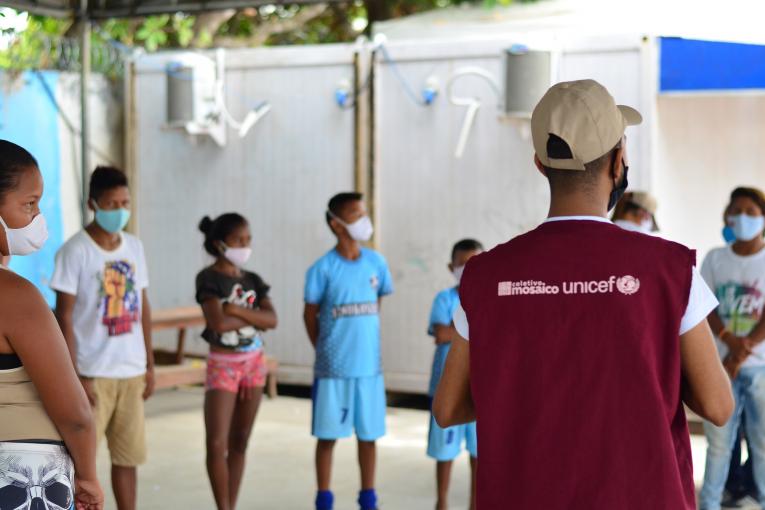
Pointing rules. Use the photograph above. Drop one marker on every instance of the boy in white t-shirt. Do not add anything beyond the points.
(100, 281)
(736, 273)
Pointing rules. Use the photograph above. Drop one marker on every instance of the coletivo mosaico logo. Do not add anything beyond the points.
(627, 285)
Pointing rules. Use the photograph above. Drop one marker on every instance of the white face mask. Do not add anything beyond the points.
(359, 230)
(237, 256)
(457, 272)
(645, 227)
(26, 240)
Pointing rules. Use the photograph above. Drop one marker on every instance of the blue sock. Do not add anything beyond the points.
(368, 499)
(324, 500)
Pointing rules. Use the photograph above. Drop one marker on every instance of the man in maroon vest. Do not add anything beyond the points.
(583, 340)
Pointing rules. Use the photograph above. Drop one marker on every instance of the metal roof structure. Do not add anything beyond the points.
(102, 9)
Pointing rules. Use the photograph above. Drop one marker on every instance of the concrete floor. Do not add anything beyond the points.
(280, 471)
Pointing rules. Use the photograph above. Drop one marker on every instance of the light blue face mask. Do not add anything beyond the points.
(746, 227)
(113, 220)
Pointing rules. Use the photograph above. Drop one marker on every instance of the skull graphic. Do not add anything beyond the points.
(35, 477)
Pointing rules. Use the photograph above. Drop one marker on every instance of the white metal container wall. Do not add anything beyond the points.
(708, 145)
(428, 199)
(106, 135)
(280, 177)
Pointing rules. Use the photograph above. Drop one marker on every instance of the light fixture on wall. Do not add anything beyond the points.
(196, 98)
(346, 95)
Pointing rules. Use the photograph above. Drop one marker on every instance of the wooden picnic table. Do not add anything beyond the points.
(177, 372)
(181, 318)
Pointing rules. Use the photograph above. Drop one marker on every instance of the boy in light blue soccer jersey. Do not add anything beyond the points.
(445, 445)
(343, 290)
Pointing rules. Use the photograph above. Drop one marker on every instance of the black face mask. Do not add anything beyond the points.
(618, 191)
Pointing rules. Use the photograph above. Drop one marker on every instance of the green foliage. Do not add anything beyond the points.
(183, 27)
(51, 43)
(152, 33)
(37, 47)
(118, 29)
(204, 39)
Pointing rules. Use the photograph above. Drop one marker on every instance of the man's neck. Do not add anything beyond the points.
(104, 239)
(746, 248)
(576, 207)
(348, 248)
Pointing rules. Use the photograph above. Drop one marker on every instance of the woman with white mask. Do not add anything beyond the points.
(636, 211)
(47, 433)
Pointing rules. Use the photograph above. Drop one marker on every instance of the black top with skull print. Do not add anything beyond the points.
(247, 290)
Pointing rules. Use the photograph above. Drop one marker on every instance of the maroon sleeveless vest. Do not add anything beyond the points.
(575, 370)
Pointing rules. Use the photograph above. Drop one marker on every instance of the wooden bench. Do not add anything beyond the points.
(181, 319)
(177, 368)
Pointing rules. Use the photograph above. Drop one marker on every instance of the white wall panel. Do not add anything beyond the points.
(429, 199)
(280, 177)
(707, 146)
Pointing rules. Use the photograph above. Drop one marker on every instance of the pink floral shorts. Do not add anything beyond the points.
(232, 371)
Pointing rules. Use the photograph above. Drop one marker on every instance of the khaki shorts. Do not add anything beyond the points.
(119, 416)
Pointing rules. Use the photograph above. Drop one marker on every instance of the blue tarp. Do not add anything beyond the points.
(29, 118)
(689, 65)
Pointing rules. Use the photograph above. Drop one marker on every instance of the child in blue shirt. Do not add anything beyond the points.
(444, 445)
(343, 291)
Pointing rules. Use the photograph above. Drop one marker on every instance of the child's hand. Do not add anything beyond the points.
(732, 366)
(88, 495)
(739, 347)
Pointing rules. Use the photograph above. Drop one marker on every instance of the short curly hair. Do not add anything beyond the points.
(754, 194)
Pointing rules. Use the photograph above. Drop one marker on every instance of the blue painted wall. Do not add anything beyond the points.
(29, 118)
(689, 65)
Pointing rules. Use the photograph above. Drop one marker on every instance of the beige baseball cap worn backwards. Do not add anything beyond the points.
(585, 116)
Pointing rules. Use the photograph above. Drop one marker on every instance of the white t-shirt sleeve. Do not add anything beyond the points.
(66, 273)
(707, 270)
(461, 323)
(700, 303)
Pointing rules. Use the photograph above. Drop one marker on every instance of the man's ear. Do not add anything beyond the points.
(451, 267)
(617, 168)
(539, 165)
(336, 227)
(92, 204)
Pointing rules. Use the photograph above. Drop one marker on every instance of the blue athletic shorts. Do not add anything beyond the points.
(342, 405)
(446, 444)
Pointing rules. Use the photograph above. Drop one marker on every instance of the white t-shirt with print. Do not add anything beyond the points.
(107, 313)
(739, 284)
(701, 301)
